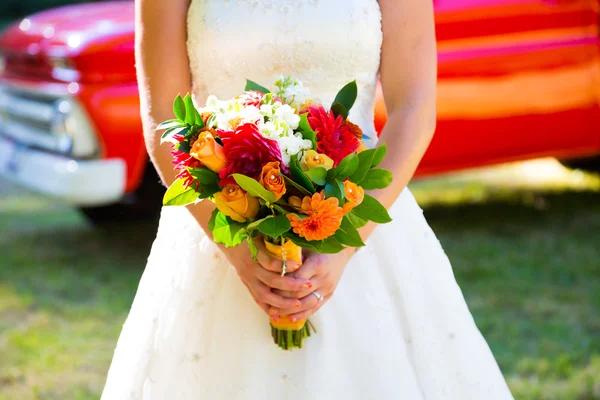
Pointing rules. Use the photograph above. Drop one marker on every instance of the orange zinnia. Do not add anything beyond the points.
(324, 217)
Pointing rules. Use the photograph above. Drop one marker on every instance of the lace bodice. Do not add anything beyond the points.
(324, 43)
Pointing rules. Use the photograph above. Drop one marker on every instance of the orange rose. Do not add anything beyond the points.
(354, 195)
(312, 159)
(209, 152)
(272, 180)
(235, 203)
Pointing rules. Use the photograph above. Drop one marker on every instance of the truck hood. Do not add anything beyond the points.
(96, 39)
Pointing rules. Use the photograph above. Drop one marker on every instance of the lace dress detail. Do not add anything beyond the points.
(324, 43)
(397, 327)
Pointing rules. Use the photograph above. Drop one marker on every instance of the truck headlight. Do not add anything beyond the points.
(71, 127)
(63, 69)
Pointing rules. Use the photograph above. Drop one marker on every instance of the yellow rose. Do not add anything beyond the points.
(209, 152)
(312, 159)
(362, 147)
(305, 106)
(235, 203)
(272, 180)
(354, 195)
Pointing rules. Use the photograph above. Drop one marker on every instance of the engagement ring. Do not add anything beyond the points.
(318, 296)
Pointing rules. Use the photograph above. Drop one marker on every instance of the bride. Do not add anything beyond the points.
(391, 320)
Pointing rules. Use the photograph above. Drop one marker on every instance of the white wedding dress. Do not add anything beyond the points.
(397, 327)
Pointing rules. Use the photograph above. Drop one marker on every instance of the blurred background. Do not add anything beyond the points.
(510, 185)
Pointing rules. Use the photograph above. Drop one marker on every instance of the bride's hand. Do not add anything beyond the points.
(263, 276)
(325, 272)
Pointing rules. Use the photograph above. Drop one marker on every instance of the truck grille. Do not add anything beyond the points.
(28, 118)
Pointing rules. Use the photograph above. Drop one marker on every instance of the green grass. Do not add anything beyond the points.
(524, 241)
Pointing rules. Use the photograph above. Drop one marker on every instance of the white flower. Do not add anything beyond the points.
(286, 114)
(292, 91)
(230, 113)
(292, 145)
(289, 142)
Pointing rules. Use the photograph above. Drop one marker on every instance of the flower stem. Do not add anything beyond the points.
(288, 339)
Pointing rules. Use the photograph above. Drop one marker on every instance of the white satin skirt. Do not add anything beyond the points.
(397, 327)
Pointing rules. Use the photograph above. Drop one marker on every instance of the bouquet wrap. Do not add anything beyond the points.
(287, 333)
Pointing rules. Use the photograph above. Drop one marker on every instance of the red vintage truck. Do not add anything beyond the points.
(518, 79)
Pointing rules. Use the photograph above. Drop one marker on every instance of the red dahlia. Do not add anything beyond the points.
(335, 138)
(183, 161)
(247, 151)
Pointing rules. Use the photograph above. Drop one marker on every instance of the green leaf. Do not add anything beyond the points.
(356, 221)
(208, 182)
(250, 85)
(372, 210)
(335, 189)
(346, 96)
(349, 167)
(172, 123)
(179, 108)
(376, 178)
(345, 168)
(348, 235)
(339, 109)
(275, 227)
(204, 176)
(252, 246)
(228, 232)
(254, 188)
(318, 175)
(181, 130)
(379, 154)
(327, 246)
(301, 189)
(213, 217)
(307, 131)
(300, 177)
(190, 110)
(184, 147)
(365, 159)
(178, 195)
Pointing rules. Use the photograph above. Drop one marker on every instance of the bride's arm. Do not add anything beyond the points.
(163, 72)
(408, 77)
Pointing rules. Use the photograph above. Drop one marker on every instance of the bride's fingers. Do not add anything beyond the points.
(311, 267)
(317, 283)
(306, 303)
(309, 312)
(284, 283)
(270, 263)
(263, 293)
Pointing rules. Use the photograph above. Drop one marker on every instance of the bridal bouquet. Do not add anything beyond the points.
(278, 165)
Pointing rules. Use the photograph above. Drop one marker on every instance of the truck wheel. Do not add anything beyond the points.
(143, 204)
(590, 164)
